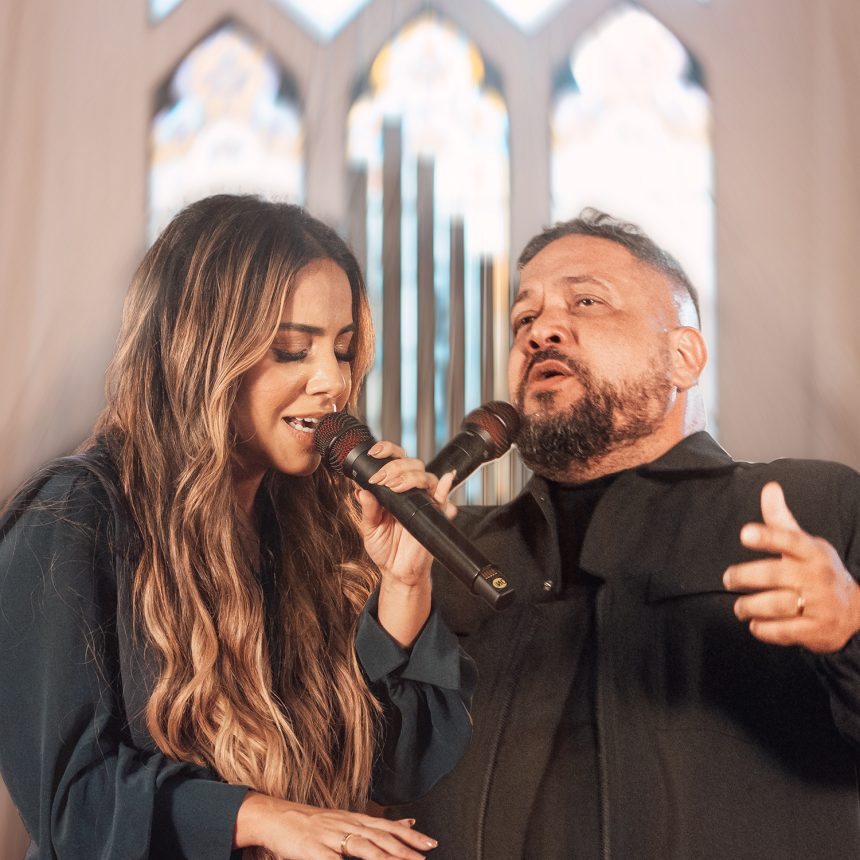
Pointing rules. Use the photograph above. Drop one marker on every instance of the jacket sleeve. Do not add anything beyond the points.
(84, 790)
(426, 692)
(840, 671)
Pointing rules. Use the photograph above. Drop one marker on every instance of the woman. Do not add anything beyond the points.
(181, 604)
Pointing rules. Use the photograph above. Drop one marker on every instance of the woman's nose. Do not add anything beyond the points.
(329, 377)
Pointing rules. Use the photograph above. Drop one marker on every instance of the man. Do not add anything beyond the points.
(680, 675)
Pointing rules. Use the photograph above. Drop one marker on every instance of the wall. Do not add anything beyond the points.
(75, 99)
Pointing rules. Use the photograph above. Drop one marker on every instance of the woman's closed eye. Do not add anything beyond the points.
(283, 355)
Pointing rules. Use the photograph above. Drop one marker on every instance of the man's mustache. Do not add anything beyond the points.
(576, 368)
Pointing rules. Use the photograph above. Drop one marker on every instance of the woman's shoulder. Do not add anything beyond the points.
(81, 488)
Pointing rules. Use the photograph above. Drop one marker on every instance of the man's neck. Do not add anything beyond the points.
(625, 456)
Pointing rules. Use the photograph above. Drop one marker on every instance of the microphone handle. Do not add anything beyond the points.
(419, 514)
(468, 450)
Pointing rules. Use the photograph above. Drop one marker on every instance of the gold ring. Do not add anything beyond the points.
(801, 604)
(343, 844)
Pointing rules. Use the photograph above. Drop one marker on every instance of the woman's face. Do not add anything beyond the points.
(304, 375)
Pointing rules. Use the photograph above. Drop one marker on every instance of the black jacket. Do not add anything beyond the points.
(75, 752)
(711, 743)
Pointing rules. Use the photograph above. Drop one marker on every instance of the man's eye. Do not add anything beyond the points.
(587, 301)
(523, 321)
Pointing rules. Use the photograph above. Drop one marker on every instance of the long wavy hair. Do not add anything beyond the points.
(287, 713)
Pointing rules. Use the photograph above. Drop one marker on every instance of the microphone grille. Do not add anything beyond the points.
(336, 435)
(499, 420)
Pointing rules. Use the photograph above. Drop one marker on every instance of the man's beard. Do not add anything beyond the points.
(605, 418)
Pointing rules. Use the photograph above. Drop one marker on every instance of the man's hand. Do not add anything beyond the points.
(804, 597)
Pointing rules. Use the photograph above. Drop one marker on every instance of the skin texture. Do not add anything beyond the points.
(588, 301)
(597, 333)
(306, 374)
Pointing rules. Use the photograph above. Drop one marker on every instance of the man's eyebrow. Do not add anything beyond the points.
(587, 279)
(571, 280)
(312, 329)
(521, 296)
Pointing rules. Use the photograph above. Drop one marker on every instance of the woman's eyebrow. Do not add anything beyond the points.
(311, 329)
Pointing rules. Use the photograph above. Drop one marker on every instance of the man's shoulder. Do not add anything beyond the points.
(806, 478)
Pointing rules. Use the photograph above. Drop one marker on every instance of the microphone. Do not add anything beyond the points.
(342, 441)
(486, 433)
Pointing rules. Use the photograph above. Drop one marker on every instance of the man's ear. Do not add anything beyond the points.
(689, 356)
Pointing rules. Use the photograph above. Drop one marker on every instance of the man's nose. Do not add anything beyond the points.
(549, 329)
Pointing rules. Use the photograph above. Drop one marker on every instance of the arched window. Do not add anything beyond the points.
(528, 15)
(226, 121)
(430, 117)
(324, 18)
(160, 9)
(631, 135)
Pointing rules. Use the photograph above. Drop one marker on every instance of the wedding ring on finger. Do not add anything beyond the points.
(801, 604)
(343, 842)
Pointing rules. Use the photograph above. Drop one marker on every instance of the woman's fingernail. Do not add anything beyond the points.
(375, 450)
(375, 479)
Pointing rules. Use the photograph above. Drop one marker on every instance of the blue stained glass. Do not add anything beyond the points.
(633, 137)
(323, 17)
(226, 127)
(528, 15)
(431, 78)
(160, 9)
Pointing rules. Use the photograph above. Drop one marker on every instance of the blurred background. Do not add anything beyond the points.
(438, 137)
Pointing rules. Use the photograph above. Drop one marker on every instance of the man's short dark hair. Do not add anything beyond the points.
(593, 222)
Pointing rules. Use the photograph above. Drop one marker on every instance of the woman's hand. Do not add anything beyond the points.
(294, 831)
(404, 594)
(394, 551)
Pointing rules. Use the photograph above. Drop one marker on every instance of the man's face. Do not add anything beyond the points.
(590, 366)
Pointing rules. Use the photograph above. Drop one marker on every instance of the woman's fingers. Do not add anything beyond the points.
(379, 839)
(405, 474)
(377, 845)
(384, 449)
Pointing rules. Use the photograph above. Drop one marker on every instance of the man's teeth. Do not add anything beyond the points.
(306, 425)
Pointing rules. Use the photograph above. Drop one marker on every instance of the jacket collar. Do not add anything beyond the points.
(698, 452)
(603, 550)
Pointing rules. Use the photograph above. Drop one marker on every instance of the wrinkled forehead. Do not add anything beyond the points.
(582, 261)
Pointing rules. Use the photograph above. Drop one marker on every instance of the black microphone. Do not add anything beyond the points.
(343, 442)
(486, 433)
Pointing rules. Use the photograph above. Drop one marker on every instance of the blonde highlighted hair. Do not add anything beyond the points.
(297, 720)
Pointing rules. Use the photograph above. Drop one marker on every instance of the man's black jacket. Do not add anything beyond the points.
(711, 743)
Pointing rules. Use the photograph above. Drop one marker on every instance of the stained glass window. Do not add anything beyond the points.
(228, 122)
(160, 9)
(323, 17)
(432, 80)
(631, 135)
(528, 15)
